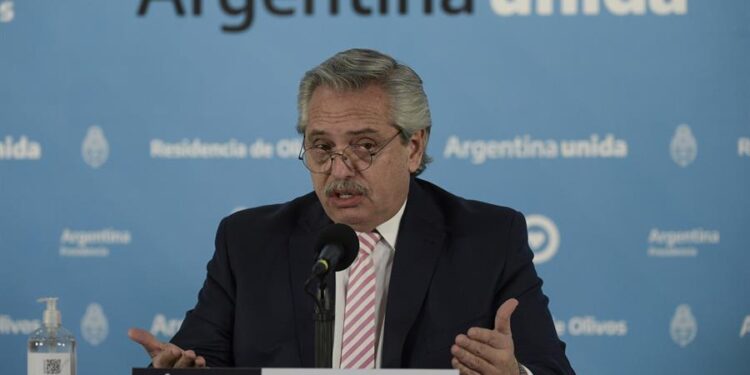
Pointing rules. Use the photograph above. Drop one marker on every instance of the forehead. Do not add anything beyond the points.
(333, 112)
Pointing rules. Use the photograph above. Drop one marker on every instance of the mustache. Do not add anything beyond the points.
(346, 186)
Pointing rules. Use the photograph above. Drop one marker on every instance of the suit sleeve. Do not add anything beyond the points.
(207, 329)
(537, 345)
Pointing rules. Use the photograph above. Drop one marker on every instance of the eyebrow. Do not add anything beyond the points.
(351, 132)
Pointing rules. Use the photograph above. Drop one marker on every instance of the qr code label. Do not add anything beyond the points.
(51, 363)
(52, 367)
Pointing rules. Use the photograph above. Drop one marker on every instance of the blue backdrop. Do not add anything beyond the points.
(621, 128)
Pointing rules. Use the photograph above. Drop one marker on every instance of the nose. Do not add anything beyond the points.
(340, 167)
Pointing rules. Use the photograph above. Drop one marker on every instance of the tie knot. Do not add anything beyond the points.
(367, 241)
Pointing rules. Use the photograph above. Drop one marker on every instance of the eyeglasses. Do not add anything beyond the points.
(357, 156)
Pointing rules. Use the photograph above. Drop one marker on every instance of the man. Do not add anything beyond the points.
(436, 280)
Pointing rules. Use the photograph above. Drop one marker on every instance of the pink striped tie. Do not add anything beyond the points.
(358, 344)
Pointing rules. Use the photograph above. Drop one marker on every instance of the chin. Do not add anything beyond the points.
(349, 218)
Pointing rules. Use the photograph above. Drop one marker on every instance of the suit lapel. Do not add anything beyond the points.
(420, 242)
(301, 259)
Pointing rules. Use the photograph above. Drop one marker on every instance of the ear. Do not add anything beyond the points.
(416, 148)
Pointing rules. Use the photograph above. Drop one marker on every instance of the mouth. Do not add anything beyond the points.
(343, 200)
(345, 194)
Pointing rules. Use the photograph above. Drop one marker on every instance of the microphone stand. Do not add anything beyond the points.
(324, 320)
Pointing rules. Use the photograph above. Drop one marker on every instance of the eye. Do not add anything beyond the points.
(365, 144)
(322, 146)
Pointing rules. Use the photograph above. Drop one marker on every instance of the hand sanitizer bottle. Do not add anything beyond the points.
(52, 348)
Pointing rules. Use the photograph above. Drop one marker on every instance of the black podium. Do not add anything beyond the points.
(195, 371)
(290, 371)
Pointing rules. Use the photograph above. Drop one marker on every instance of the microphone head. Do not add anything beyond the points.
(341, 235)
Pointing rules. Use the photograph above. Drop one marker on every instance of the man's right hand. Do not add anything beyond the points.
(165, 355)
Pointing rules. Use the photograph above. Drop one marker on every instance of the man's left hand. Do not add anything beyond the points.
(488, 351)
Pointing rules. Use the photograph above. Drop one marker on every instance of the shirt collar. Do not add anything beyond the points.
(389, 229)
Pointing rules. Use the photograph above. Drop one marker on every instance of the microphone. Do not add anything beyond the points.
(337, 247)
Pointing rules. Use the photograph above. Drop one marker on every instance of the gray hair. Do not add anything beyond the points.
(355, 69)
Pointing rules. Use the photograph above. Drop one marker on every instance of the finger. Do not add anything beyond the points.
(462, 369)
(147, 340)
(167, 357)
(502, 318)
(497, 356)
(475, 347)
(470, 360)
(186, 360)
(200, 361)
(490, 337)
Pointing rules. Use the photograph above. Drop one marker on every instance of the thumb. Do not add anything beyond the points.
(502, 318)
(147, 340)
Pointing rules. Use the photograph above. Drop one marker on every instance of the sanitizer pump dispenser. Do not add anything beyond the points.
(52, 348)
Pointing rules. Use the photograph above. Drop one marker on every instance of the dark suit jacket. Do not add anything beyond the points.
(457, 261)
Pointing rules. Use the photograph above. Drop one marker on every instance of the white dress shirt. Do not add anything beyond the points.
(382, 257)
